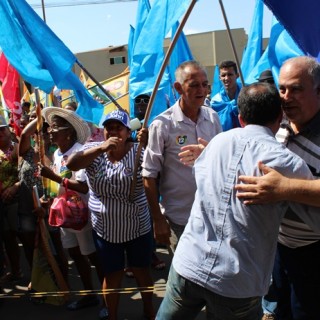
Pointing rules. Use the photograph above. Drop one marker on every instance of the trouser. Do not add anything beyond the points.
(185, 299)
(296, 281)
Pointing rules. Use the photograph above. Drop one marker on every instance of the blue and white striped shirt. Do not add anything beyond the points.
(114, 217)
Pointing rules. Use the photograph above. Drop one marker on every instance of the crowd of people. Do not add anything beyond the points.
(229, 187)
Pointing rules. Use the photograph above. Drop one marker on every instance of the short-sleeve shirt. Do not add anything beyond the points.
(114, 216)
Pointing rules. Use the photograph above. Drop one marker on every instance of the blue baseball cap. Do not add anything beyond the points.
(117, 115)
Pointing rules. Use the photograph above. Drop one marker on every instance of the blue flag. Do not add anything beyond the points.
(31, 47)
(281, 47)
(148, 52)
(142, 14)
(253, 50)
(40, 57)
(301, 20)
(216, 83)
(141, 17)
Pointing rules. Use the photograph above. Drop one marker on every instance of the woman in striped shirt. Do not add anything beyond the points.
(122, 226)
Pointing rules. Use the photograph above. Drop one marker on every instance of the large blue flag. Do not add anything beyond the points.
(142, 14)
(281, 47)
(301, 20)
(148, 52)
(40, 57)
(141, 17)
(31, 47)
(253, 49)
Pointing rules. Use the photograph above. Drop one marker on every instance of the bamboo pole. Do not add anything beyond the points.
(155, 89)
(43, 229)
(231, 41)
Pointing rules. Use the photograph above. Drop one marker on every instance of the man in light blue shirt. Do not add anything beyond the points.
(225, 101)
(225, 256)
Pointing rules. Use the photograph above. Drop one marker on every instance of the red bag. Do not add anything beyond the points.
(68, 210)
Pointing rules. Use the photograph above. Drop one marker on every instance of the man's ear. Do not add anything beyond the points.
(178, 87)
(242, 123)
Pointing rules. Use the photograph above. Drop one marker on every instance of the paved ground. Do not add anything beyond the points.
(130, 303)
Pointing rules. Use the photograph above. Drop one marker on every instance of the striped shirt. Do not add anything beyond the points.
(114, 217)
(294, 232)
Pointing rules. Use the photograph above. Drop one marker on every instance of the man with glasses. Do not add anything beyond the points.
(225, 102)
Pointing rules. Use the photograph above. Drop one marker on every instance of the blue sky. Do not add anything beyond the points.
(96, 26)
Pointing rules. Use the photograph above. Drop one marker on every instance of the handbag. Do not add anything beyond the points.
(68, 210)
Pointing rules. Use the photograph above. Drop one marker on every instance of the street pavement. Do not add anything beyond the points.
(130, 307)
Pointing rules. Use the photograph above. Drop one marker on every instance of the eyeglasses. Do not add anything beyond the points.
(56, 129)
(142, 100)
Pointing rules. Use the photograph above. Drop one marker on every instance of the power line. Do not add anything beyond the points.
(77, 3)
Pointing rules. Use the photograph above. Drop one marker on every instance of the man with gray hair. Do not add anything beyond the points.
(166, 179)
(296, 276)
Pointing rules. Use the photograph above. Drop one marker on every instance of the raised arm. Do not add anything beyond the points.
(83, 159)
(27, 132)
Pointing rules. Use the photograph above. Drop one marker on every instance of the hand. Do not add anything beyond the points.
(142, 136)
(46, 172)
(265, 189)
(111, 144)
(191, 152)
(162, 230)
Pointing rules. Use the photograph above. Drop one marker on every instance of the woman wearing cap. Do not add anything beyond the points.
(68, 131)
(121, 227)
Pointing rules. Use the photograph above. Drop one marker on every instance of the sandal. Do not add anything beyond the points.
(85, 302)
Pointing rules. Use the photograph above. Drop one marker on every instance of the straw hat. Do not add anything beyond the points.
(81, 127)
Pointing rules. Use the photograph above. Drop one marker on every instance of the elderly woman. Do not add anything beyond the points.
(68, 131)
(121, 226)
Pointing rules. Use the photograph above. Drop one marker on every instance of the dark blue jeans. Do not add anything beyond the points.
(296, 281)
(185, 299)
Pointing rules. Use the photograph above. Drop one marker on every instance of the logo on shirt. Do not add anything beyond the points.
(180, 140)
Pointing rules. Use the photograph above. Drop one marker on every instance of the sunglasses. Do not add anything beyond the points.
(56, 129)
(142, 100)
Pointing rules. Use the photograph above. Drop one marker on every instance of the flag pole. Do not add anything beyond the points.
(231, 41)
(112, 99)
(155, 89)
(43, 11)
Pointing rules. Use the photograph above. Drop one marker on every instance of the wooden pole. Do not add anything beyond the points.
(231, 41)
(155, 89)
